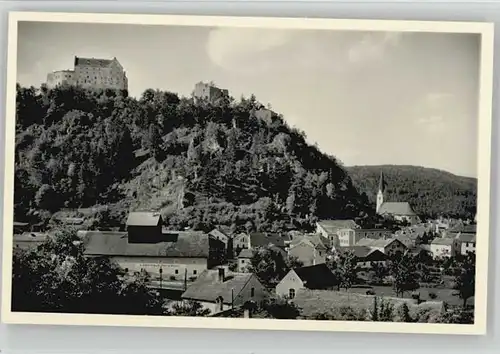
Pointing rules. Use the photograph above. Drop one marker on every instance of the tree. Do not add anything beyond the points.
(465, 277)
(404, 273)
(57, 277)
(189, 308)
(269, 266)
(343, 265)
(378, 272)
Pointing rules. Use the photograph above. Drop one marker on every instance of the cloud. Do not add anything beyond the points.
(372, 46)
(237, 48)
(435, 110)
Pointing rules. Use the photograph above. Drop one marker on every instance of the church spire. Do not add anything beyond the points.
(381, 184)
(380, 194)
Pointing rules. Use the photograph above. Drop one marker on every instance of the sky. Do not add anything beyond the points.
(367, 98)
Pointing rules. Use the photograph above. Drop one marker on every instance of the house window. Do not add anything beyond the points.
(252, 292)
(177, 271)
(291, 293)
(194, 272)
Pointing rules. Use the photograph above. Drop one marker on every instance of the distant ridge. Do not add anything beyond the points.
(430, 191)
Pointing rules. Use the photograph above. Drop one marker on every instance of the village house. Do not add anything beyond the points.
(312, 277)
(227, 242)
(388, 246)
(218, 290)
(467, 242)
(261, 239)
(20, 227)
(365, 256)
(400, 211)
(241, 241)
(29, 240)
(310, 250)
(444, 247)
(372, 233)
(219, 235)
(334, 230)
(144, 227)
(178, 256)
(244, 260)
(406, 240)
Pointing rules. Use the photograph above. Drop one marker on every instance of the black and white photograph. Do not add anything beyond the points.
(330, 174)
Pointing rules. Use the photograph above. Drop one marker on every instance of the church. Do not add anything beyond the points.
(401, 211)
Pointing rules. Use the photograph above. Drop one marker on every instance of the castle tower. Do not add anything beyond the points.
(380, 194)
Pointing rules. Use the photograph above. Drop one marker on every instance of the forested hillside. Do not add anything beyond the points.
(200, 164)
(431, 192)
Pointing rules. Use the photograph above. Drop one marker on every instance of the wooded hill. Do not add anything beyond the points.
(200, 164)
(431, 192)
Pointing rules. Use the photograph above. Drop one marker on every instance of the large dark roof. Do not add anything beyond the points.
(396, 208)
(99, 63)
(260, 239)
(180, 244)
(317, 276)
(208, 288)
(332, 226)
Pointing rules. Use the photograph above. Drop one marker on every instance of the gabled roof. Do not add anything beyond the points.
(365, 242)
(396, 208)
(332, 226)
(216, 233)
(358, 251)
(241, 235)
(260, 239)
(245, 253)
(312, 240)
(470, 229)
(208, 288)
(403, 238)
(143, 218)
(316, 277)
(383, 243)
(444, 241)
(466, 237)
(186, 244)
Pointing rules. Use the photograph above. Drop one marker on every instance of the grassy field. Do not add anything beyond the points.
(443, 294)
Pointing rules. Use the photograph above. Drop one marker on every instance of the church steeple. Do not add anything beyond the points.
(381, 183)
(380, 194)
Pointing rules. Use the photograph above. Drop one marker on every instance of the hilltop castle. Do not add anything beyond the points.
(91, 73)
(401, 211)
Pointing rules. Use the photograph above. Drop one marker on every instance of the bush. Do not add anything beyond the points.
(415, 296)
(432, 295)
(370, 292)
(172, 277)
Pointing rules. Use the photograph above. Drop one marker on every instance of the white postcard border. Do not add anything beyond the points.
(483, 192)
